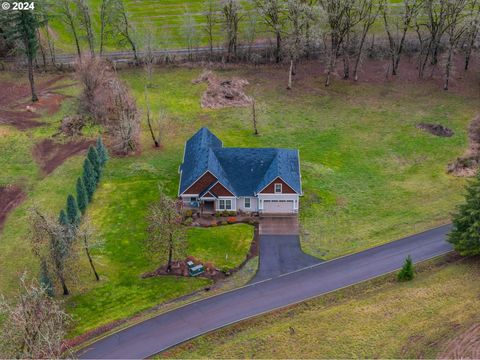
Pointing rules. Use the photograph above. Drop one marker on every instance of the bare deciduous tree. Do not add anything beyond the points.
(34, 325)
(87, 235)
(166, 235)
(472, 30)
(455, 25)
(106, 22)
(150, 120)
(66, 12)
(148, 57)
(86, 23)
(231, 12)
(397, 26)
(273, 14)
(189, 32)
(371, 13)
(210, 13)
(52, 244)
(124, 28)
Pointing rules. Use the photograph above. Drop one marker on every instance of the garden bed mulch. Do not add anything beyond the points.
(464, 346)
(10, 197)
(49, 154)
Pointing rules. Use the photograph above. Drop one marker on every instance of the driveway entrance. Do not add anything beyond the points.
(280, 250)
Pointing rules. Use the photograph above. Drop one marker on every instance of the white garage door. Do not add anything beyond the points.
(278, 206)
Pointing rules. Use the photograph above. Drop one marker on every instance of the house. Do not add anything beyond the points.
(216, 178)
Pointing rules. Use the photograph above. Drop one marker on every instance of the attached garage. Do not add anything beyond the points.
(278, 206)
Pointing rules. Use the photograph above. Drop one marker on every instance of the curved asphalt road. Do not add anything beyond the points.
(169, 329)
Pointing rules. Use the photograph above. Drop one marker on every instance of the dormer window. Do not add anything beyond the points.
(278, 188)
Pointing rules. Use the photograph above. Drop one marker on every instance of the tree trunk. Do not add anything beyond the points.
(31, 79)
(170, 254)
(278, 56)
(64, 285)
(448, 67)
(92, 265)
(254, 117)
(359, 55)
(290, 73)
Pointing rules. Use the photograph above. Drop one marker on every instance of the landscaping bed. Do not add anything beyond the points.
(10, 197)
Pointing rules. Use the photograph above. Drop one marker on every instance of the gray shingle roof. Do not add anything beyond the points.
(244, 171)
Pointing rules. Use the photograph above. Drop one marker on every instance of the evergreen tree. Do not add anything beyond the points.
(89, 178)
(73, 214)
(82, 196)
(22, 27)
(62, 218)
(93, 157)
(45, 281)
(465, 234)
(102, 152)
(407, 271)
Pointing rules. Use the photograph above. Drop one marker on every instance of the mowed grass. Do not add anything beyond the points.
(224, 246)
(369, 176)
(378, 319)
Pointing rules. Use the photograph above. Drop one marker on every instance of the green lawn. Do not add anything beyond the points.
(378, 319)
(369, 176)
(224, 246)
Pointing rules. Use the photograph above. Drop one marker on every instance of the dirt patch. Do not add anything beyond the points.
(48, 102)
(10, 197)
(465, 346)
(16, 111)
(49, 154)
(223, 92)
(21, 120)
(436, 129)
(467, 165)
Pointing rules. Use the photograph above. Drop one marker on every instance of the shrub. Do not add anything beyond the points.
(92, 155)
(188, 213)
(224, 223)
(188, 221)
(89, 178)
(214, 223)
(407, 271)
(73, 215)
(218, 214)
(82, 196)
(232, 220)
(232, 213)
(102, 151)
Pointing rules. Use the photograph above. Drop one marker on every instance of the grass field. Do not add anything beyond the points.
(377, 319)
(369, 175)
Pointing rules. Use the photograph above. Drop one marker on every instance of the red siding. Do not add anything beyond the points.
(221, 190)
(270, 189)
(198, 186)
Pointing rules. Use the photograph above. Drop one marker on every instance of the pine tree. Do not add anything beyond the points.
(465, 234)
(82, 196)
(45, 281)
(407, 271)
(62, 218)
(89, 178)
(93, 157)
(73, 215)
(102, 152)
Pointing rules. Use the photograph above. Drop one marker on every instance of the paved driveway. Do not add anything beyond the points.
(169, 329)
(280, 250)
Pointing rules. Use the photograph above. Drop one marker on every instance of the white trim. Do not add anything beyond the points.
(299, 174)
(218, 182)
(180, 168)
(233, 204)
(275, 188)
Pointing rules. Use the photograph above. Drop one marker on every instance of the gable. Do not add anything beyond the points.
(201, 183)
(220, 190)
(270, 188)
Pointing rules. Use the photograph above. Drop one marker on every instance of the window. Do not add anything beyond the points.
(225, 204)
(193, 199)
(278, 188)
(247, 203)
